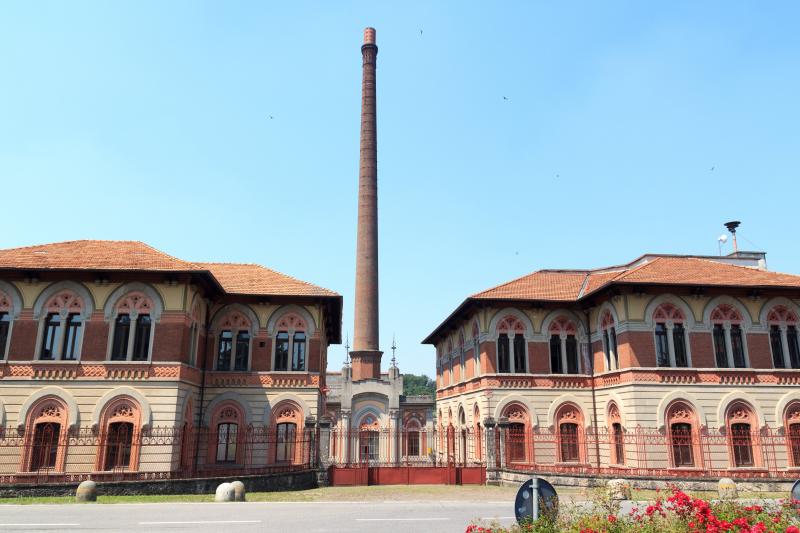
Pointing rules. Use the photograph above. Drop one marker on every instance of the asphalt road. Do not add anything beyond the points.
(396, 517)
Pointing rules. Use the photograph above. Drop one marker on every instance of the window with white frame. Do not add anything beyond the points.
(783, 336)
(5, 323)
(729, 343)
(564, 347)
(670, 336)
(512, 353)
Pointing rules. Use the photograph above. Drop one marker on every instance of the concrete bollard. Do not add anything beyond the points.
(618, 489)
(727, 489)
(87, 492)
(225, 493)
(238, 491)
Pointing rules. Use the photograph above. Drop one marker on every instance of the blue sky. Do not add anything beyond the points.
(150, 121)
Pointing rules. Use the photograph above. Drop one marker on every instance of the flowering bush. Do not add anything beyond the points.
(677, 513)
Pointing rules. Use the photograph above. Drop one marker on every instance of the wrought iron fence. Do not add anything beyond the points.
(48, 455)
(649, 452)
(423, 447)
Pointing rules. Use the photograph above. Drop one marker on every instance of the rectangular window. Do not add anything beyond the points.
(242, 351)
(368, 445)
(607, 348)
(224, 352)
(794, 443)
(503, 359)
(572, 354)
(282, 351)
(679, 342)
(737, 344)
(742, 445)
(662, 346)
(555, 355)
(70, 348)
(118, 445)
(141, 340)
(519, 353)
(720, 351)
(568, 434)
(412, 443)
(516, 443)
(226, 442)
(612, 336)
(52, 328)
(299, 352)
(122, 330)
(619, 445)
(284, 445)
(5, 323)
(44, 452)
(681, 435)
(794, 346)
(777, 346)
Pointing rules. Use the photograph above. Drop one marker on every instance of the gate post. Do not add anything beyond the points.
(502, 427)
(324, 451)
(395, 442)
(491, 458)
(310, 438)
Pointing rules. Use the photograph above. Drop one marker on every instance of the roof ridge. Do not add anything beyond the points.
(748, 268)
(153, 248)
(64, 242)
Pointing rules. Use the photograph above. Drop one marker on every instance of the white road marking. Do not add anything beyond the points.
(39, 525)
(400, 519)
(200, 522)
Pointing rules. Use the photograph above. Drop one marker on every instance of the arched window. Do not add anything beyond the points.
(670, 333)
(46, 436)
(729, 344)
(369, 439)
(511, 346)
(476, 350)
(564, 347)
(783, 337)
(609, 341)
(569, 424)
(742, 426)
(5, 323)
(119, 436)
(227, 424)
(617, 435)
(62, 327)
(412, 441)
(290, 344)
(681, 422)
(518, 434)
(132, 328)
(233, 344)
(792, 425)
(287, 423)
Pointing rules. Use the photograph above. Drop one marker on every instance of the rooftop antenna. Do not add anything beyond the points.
(732, 225)
(394, 347)
(722, 239)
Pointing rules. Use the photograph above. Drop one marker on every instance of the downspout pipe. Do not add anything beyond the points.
(591, 379)
(206, 328)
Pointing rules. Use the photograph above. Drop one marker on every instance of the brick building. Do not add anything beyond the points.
(667, 365)
(115, 356)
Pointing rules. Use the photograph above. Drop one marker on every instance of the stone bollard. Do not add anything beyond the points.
(618, 489)
(87, 492)
(727, 489)
(238, 491)
(225, 493)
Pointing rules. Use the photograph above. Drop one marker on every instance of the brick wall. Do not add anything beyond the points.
(702, 349)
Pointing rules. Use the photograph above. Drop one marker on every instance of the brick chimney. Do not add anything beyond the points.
(366, 355)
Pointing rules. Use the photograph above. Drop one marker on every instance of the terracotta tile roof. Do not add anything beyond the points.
(543, 285)
(237, 278)
(696, 271)
(92, 255)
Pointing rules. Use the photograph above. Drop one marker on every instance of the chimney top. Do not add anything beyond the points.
(369, 35)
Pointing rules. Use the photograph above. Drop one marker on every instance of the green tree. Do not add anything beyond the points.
(414, 385)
